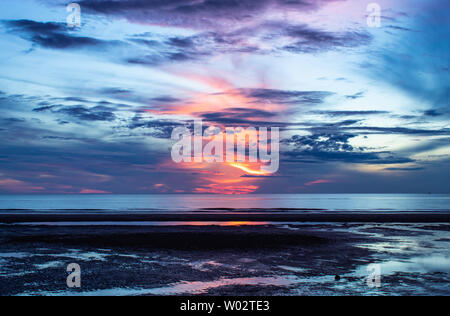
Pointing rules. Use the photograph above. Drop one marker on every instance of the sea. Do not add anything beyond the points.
(225, 203)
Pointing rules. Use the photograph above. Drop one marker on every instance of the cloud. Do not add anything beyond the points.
(417, 62)
(373, 158)
(399, 28)
(165, 99)
(91, 191)
(155, 128)
(349, 113)
(405, 169)
(355, 96)
(401, 130)
(320, 181)
(86, 114)
(193, 13)
(334, 147)
(220, 26)
(44, 108)
(115, 91)
(308, 40)
(322, 142)
(18, 186)
(259, 37)
(104, 162)
(262, 38)
(161, 58)
(44, 146)
(233, 116)
(432, 113)
(54, 35)
(51, 35)
(308, 98)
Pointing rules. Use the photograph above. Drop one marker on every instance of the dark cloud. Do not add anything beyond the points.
(115, 91)
(340, 124)
(355, 96)
(334, 147)
(74, 163)
(373, 158)
(288, 97)
(399, 28)
(161, 58)
(92, 108)
(153, 50)
(322, 142)
(60, 138)
(247, 112)
(405, 169)
(181, 42)
(312, 40)
(227, 30)
(71, 99)
(165, 99)
(50, 35)
(349, 113)
(127, 164)
(44, 108)
(264, 38)
(14, 120)
(432, 113)
(234, 116)
(193, 13)
(88, 114)
(154, 127)
(402, 130)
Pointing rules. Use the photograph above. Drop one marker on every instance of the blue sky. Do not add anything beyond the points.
(91, 109)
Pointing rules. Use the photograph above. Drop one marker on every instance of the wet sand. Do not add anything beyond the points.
(332, 217)
(272, 259)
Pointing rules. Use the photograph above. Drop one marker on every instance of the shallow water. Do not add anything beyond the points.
(412, 259)
(256, 203)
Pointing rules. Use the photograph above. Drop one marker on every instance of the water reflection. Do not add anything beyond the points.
(175, 223)
(431, 264)
(183, 203)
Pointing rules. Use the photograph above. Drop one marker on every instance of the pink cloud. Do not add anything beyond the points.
(321, 181)
(90, 191)
(161, 187)
(17, 186)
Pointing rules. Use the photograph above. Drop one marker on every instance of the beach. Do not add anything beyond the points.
(225, 251)
(234, 259)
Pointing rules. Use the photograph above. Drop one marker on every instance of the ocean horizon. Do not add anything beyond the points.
(226, 203)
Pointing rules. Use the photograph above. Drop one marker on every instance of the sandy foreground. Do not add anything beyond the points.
(305, 216)
(269, 258)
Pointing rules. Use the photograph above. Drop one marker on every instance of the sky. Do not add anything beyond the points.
(91, 109)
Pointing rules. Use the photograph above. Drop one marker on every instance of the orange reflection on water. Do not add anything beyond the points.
(245, 223)
(221, 223)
